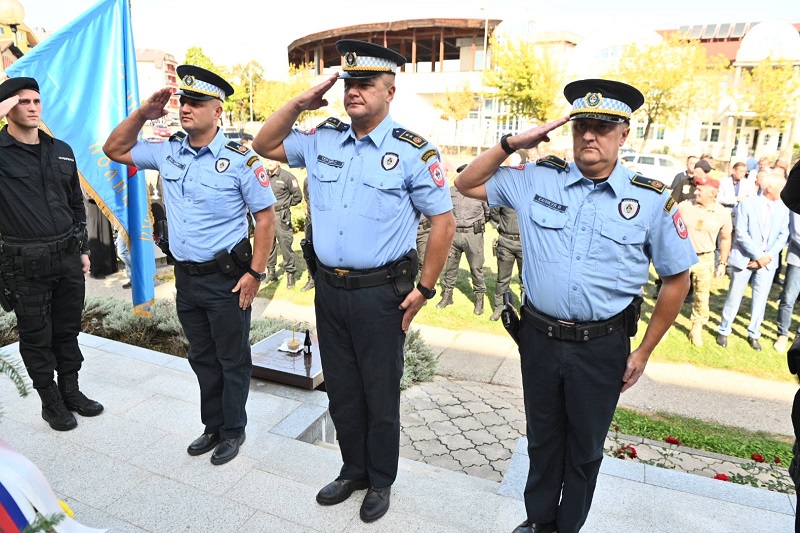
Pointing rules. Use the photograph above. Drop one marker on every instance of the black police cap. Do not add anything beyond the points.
(367, 60)
(9, 87)
(608, 100)
(201, 84)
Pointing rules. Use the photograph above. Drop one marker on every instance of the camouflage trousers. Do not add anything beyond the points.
(702, 273)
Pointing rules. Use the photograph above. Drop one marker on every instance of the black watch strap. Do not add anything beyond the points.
(426, 292)
(260, 277)
(504, 144)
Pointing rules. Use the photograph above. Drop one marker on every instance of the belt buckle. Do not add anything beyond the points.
(341, 272)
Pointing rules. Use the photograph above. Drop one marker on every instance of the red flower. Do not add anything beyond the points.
(757, 458)
(777, 460)
(672, 440)
(624, 452)
(722, 477)
(616, 428)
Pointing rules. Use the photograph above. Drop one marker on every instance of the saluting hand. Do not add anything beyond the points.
(531, 138)
(314, 97)
(155, 107)
(6, 105)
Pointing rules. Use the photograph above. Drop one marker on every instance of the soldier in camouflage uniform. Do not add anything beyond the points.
(287, 193)
(508, 249)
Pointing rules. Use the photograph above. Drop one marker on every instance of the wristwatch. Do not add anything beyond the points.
(504, 144)
(260, 277)
(426, 292)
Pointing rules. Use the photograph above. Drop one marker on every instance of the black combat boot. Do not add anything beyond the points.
(271, 275)
(290, 280)
(54, 412)
(74, 399)
(479, 302)
(496, 315)
(447, 299)
(309, 285)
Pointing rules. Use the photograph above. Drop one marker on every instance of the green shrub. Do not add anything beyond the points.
(420, 361)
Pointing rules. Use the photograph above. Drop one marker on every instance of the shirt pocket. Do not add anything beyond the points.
(323, 189)
(549, 233)
(220, 194)
(381, 197)
(620, 254)
(14, 172)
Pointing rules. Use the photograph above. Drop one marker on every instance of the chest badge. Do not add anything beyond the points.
(629, 208)
(389, 160)
(222, 164)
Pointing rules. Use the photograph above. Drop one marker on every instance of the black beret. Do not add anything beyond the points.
(367, 60)
(608, 100)
(703, 165)
(201, 84)
(9, 87)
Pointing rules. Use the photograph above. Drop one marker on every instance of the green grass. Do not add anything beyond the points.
(701, 435)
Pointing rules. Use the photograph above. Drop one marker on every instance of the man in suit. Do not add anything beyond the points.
(761, 230)
(735, 187)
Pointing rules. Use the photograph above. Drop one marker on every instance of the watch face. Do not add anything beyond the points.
(262, 276)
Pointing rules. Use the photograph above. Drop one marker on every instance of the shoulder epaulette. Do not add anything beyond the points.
(238, 148)
(178, 136)
(647, 183)
(409, 136)
(553, 162)
(333, 123)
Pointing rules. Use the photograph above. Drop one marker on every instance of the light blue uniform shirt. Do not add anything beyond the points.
(587, 249)
(366, 195)
(206, 192)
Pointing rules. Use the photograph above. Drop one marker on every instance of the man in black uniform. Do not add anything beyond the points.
(471, 217)
(287, 193)
(508, 251)
(43, 252)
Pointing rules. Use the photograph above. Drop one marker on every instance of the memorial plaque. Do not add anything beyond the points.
(295, 369)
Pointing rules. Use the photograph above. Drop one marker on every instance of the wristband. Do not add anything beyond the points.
(504, 144)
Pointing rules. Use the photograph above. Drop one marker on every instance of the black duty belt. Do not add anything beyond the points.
(512, 236)
(16, 246)
(468, 229)
(571, 331)
(198, 269)
(354, 279)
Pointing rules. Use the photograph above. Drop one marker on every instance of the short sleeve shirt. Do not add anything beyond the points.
(705, 223)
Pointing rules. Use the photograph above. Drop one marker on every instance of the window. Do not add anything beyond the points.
(665, 162)
(660, 132)
(640, 132)
(645, 160)
(709, 132)
(767, 138)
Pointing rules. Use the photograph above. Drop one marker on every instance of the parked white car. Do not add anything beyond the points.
(655, 166)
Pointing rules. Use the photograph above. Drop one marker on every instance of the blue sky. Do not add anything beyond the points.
(238, 31)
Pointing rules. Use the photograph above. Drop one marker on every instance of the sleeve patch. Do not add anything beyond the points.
(437, 174)
(409, 136)
(647, 183)
(261, 174)
(680, 225)
(428, 155)
(669, 204)
(553, 162)
(252, 161)
(333, 123)
(238, 148)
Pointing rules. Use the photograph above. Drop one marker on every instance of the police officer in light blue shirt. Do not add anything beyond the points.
(589, 231)
(209, 184)
(368, 183)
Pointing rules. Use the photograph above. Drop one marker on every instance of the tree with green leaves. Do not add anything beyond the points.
(675, 76)
(455, 105)
(196, 57)
(272, 95)
(771, 90)
(245, 78)
(526, 79)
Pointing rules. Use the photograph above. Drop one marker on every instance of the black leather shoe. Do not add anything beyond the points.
(722, 340)
(203, 444)
(375, 503)
(226, 450)
(754, 344)
(339, 490)
(529, 527)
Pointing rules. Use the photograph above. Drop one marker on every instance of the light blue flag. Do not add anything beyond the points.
(87, 76)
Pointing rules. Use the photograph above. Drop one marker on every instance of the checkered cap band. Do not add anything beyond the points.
(608, 106)
(202, 87)
(370, 64)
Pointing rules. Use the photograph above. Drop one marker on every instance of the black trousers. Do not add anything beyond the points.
(218, 331)
(48, 310)
(571, 390)
(361, 346)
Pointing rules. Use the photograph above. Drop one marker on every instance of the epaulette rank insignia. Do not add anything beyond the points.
(647, 183)
(409, 136)
(553, 162)
(236, 147)
(178, 136)
(332, 123)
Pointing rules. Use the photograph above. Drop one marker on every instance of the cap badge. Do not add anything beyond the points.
(351, 59)
(188, 80)
(593, 99)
